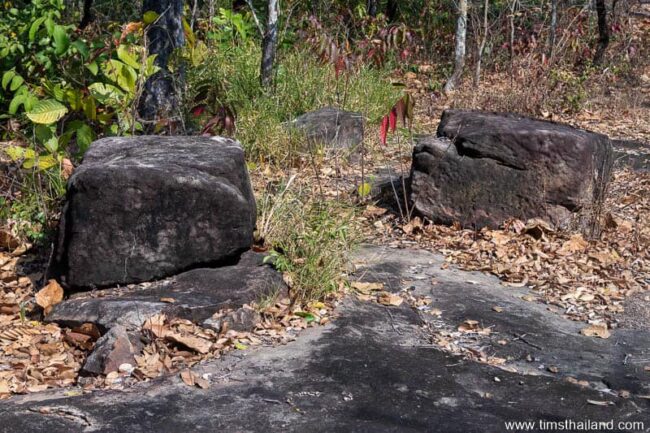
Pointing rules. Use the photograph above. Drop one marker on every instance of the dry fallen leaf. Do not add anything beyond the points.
(575, 244)
(366, 288)
(49, 295)
(597, 330)
(391, 299)
(7, 240)
(188, 377)
(197, 344)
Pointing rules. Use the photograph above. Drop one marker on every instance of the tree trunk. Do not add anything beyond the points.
(269, 45)
(391, 10)
(481, 44)
(160, 97)
(603, 32)
(511, 22)
(166, 34)
(372, 8)
(553, 30)
(87, 16)
(461, 36)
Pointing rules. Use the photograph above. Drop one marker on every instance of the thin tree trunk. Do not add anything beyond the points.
(481, 44)
(87, 16)
(391, 10)
(160, 96)
(553, 30)
(372, 8)
(459, 55)
(166, 34)
(603, 31)
(195, 11)
(269, 45)
(511, 21)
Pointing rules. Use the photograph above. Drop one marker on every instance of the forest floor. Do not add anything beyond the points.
(483, 326)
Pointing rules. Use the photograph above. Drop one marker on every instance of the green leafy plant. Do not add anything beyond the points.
(310, 239)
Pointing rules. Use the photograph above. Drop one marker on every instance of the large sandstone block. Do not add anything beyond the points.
(483, 168)
(145, 208)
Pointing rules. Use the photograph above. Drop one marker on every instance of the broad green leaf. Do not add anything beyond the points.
(82, 48)
(7, 77)
(16, 102)
(85, 136)
(93, 68)
(29, 163)
(125, 56)
(43, 133)
(47, 111)
(151, 67)
(104, 92)
(52, 145)
(73, 98)
(149, 17)
(122, 74)
(46, 161)
(34, 28)
(364, 189)
(16, 153)
(306, 315)
(16, 82)
(61, 39)
(90, 108)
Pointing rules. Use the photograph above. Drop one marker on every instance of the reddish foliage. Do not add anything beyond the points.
(383, 130)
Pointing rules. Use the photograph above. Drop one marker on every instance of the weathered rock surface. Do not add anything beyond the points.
(483, 168)
(115, 348)
(374, 369)
(145, 208)
(632, 154)
(194, 295)
(331, 127)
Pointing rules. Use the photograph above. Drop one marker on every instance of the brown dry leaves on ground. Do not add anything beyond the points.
(33, 356)
(176, 345)
(586, 279)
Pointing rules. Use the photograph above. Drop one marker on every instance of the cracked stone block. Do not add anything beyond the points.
(195, 295)
(484, 168)
(145, 208)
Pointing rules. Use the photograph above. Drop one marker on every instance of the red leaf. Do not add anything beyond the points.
(383, 131)
(392, 119)
(339, 66)
(197, 111)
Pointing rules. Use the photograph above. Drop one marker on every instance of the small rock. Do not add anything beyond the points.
(331, 127)
(115, 349)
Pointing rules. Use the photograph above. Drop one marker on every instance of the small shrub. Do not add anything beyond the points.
(310, 240)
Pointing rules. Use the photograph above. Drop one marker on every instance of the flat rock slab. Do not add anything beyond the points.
(373, 369)
(331, 127)
(483, 168)
(632, 154)
(144, 208)
(194, 295)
